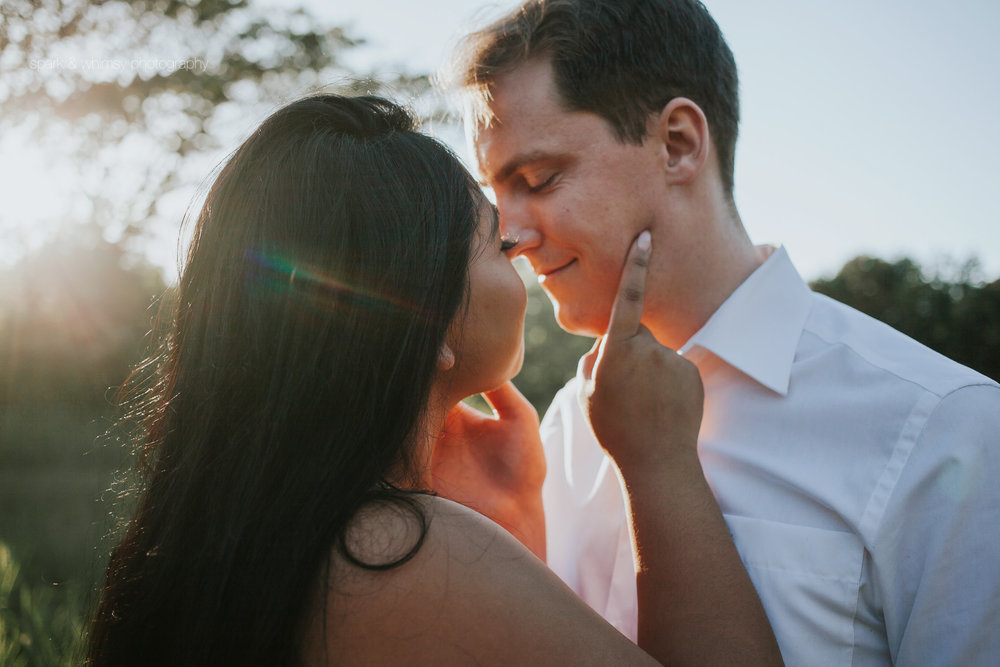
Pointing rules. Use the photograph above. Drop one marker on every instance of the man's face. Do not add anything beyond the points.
(573, 195)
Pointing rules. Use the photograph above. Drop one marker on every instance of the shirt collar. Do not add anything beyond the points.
(757, 329)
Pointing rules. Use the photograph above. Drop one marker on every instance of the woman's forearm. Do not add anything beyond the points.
(697, 605)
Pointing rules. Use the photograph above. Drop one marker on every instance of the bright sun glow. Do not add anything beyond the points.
(36, 195)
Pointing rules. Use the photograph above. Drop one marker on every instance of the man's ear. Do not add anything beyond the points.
(446, 358)
(683, 130)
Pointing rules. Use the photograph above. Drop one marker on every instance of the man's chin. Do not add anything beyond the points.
(570, 321)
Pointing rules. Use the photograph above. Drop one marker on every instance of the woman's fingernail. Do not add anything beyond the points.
(645, 240)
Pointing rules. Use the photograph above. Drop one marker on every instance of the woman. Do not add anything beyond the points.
(346, 287)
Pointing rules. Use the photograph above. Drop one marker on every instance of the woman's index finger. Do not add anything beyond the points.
(626, 312)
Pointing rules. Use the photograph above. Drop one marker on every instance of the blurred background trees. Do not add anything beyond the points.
(76, 303)
(952, 311)
(144, 94)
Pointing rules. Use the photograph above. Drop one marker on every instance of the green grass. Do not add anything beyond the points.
(55, 519)
(40, 624)
(53, 544)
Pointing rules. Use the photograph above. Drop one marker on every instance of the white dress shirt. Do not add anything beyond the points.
(858, 471)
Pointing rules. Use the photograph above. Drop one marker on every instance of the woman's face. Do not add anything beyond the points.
(488, 341)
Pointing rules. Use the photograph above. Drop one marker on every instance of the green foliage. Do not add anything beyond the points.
(144, 93)
(550, 354)
(125, 59)
(958, 317)
(39, 624)
(72, 318)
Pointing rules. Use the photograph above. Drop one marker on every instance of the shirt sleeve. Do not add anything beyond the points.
(937, 555)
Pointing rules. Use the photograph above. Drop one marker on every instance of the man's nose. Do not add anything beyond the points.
(516, 224)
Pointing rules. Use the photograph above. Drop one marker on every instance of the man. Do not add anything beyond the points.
(853, 465)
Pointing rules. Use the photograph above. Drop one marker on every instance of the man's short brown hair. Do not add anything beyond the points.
(620, 59)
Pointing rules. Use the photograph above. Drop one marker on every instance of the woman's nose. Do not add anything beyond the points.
(516, 224)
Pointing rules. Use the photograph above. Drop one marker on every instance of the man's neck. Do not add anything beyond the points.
(676, 312)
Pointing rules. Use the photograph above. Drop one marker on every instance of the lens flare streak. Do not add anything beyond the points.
(295, 276)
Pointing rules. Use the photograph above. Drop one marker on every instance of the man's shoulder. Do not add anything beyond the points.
(857, 337)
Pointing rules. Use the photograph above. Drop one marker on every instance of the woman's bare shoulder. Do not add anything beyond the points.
(469, 593)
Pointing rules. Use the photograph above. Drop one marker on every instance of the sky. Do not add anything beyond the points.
(867, 126)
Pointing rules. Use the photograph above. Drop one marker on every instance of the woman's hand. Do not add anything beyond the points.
(696, 603)
(494, 464)
(644, 401)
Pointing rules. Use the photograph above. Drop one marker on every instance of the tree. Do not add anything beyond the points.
(138, 90)
(959, 317)
(73, 317)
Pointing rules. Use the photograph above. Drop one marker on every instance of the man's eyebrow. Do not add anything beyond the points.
(520, 160)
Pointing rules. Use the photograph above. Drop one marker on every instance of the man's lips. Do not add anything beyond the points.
(550, 273)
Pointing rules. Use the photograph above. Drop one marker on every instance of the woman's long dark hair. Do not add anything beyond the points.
(327, 263)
